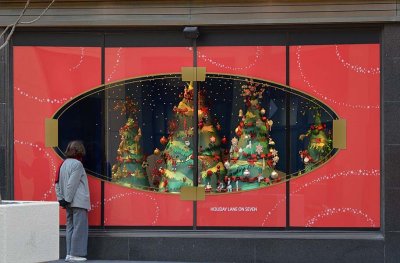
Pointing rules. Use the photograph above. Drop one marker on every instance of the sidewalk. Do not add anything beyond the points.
(121, 261)
(117, 261)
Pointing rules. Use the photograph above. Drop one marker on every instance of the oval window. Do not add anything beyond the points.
(252, 133)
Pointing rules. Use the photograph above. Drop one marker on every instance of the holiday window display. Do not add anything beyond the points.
(158, 155)
(319, 144)
(129, 169)
(178, 153)
(252, 155)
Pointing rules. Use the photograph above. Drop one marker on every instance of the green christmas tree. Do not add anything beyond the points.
(178, 153)
(253, 156)
(129, 167)
(319, 144)
(211, 167)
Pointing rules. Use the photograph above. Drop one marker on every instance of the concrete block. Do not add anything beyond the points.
(29, 231)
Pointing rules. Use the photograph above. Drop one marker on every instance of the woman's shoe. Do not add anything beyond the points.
(76, 259)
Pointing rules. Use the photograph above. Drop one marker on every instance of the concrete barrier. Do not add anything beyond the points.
(29, 231)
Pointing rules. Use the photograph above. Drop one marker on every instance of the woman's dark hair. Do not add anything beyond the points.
(75, 149)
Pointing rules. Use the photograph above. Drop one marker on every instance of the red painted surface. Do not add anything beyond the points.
(41, 73)
(345, 192)
(131, 207)
(257, 208)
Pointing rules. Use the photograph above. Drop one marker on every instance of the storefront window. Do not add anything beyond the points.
(269, 150)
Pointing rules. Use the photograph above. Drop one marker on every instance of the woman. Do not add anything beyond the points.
(72, 191)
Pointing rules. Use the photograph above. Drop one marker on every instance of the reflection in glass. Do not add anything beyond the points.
(130, 163)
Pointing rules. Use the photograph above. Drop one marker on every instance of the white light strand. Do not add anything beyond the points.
(41, 100)
(324, 96)
(115, 65)
(356, 68)
(52, 165)
(124, 195)
(358, 172)
(332, 211)
(220, 65)
(270, 212)
(80, 60)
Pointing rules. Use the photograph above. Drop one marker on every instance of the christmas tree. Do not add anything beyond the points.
(319, 144)
(130, 163)
(211, 167)
(178, 153)
(253, 156)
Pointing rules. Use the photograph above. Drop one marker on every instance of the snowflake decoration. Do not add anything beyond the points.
(259, 149)
(274, 152)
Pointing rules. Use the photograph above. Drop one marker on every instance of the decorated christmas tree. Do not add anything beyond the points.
(129, 167)
(211, 167)
(178, 153)
(253, 156)
(319, 144)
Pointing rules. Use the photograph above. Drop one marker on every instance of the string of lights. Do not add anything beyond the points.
(52, 165)
(214, 62)
(118, 59)
(318, 180)
(80, 59)
(345, 210)
(323, 96)
(356, 68)
(41, 99)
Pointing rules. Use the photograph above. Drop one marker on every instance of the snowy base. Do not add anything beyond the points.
(29, 231)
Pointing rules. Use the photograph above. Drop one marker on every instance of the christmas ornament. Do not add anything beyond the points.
(201, 125)
(227, 165)
(271, 142)
(224, 140)
(163, 140)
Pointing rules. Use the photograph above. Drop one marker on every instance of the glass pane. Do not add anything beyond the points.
(344, 190)
(149, 135)
(53, 76)
(242, 119)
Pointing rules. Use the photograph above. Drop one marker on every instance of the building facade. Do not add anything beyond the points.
(285, 110)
